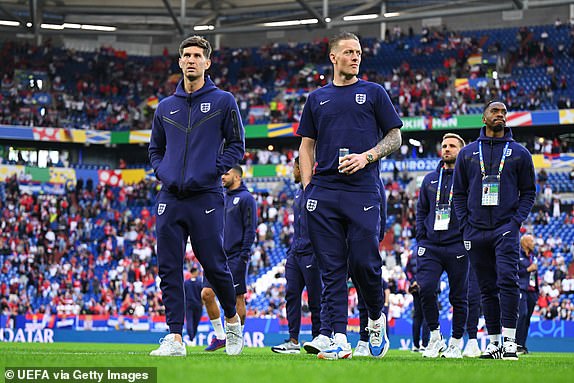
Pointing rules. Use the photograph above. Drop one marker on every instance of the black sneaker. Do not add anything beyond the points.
(521, 350)
(493, 351)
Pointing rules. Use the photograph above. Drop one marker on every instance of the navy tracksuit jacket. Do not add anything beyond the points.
(491, 233)
(195, 138)
(239, 235)
(440, 251)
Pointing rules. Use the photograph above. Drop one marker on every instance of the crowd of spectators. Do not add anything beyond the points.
(107, 90)
(92, 251)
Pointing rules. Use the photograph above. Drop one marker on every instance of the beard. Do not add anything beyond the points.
(450, 161)
(498, 127)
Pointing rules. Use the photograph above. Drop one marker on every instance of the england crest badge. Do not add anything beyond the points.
(205, 107)
(360, 98)
(235, 200)
(161, 208)
(311, 204)
(467, 245)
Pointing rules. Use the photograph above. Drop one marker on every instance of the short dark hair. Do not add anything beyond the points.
(238, 170)
(334, 41)
(494, 101)
(196, 41)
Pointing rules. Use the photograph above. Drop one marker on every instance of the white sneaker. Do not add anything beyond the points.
(435, 348)
(337, 351)
(378, 340)
(452, 352)
(471, 349)
(362, 349)
(287, 347)
(234, 338)
(509, 349)
(493, 351)
(318, 344)
(168, 346)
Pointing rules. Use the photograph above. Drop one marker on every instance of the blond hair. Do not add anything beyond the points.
(455, 136)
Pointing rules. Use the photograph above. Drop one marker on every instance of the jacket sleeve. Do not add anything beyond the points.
(156, 149)
(234, 136)
(249, 214)
(460, 191)
(526, 188)
(423, 208)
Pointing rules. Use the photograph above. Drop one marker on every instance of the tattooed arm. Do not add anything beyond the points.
(355, 162)
(391, 142)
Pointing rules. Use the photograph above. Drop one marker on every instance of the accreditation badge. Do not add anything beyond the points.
(442, 217)
(490, 191)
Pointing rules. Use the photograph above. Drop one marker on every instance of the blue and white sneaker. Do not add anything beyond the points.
(337, 351)
(378, 340)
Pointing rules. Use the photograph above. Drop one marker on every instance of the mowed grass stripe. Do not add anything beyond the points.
(262, 365)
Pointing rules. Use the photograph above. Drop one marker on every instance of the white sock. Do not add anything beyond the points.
(509, 333)
(455, 342)
(495, 338)
(218, 328)
(471, 341)
(435, 334)
(242, 328)
(340, 338)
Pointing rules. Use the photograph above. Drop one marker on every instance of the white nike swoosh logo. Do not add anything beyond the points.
(474, 153)
(296, 196)
(324, 102)
(209, 211)
(174, 111)
(434, 182)
(236, 285)
(460, 256)
(308, 266)
(367, 208)
(506, 232)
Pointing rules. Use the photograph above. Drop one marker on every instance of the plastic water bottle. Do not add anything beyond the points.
(342, 153)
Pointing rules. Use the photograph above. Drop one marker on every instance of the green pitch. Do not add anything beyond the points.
(261, 365)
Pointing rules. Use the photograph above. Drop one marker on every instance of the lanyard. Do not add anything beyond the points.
(439, 189)
(502, 160)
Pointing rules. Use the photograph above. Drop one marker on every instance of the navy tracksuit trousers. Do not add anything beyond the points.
(344, 231)
(473, 305)
(419, 323)
(301, 271)
(494, 255)
(199, 216)
(432, 260)
(193, 305)
(526, 308)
